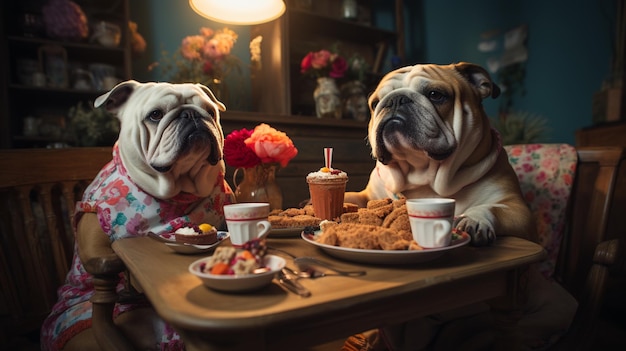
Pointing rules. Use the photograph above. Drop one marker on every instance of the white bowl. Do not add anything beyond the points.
(232, 283)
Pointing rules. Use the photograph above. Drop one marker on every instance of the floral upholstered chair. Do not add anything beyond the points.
(546, 174)
(570, 192)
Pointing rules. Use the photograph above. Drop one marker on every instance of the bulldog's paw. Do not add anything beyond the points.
(481, 232)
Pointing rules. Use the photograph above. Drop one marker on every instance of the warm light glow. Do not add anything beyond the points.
(239, 11)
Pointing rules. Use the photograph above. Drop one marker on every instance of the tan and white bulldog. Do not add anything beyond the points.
(431, 137)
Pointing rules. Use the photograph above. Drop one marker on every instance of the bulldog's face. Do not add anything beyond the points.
(426, 108)
(169, 133)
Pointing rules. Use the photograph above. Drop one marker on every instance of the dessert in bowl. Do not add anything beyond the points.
(236, 270)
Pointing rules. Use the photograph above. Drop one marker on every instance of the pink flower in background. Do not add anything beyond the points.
(323, 63)
(190, 47)
(320, 59)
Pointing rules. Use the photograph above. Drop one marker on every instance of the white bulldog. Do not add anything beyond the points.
(170, 139)
(431, 138)
(167, 172)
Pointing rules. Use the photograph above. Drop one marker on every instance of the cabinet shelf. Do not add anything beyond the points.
(50, 91)
(299, 32)
(66, 65)
(303, 24)
(34, 41)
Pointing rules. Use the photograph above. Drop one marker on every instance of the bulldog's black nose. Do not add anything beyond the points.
(190, 113)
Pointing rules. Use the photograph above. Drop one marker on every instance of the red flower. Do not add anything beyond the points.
(339, 67)
(306, 63)
(208, 67)
(236, 153)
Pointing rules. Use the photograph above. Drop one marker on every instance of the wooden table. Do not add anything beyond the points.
(274, 319)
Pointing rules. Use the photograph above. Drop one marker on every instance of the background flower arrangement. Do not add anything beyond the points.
(204, 58)
(323, 63)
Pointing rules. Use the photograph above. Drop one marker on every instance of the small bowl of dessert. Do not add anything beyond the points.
(237, 270)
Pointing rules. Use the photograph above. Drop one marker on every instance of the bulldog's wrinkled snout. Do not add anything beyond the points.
(396, 113)
(189, 114)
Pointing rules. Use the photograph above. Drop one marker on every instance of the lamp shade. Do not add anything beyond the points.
(239, 11)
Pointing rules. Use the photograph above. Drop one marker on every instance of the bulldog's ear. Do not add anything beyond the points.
(479, 78)
(210, 94)
(117, 96)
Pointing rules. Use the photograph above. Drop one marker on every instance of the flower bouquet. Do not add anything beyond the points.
(204, 58)
(259, 153)
(323, 63)
(325, 67)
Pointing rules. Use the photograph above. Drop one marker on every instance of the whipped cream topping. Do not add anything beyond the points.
(186, 231)
(327, 173)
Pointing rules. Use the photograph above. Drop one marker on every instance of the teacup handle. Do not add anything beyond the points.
(442, 228)
(264, 228)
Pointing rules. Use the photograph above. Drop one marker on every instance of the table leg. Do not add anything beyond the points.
(508, 310)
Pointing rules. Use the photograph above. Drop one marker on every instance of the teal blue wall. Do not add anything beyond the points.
(569, 43)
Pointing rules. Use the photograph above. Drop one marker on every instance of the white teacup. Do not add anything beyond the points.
(431, 221)
(247, 221)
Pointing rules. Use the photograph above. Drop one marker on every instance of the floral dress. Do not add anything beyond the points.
(124, 210)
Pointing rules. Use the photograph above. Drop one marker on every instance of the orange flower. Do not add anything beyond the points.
(271, 145)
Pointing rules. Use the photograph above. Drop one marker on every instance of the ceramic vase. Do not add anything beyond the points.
(327, 98)
(259, 185)
(354, 101)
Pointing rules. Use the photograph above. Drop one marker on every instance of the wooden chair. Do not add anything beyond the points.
(576, 236)
(589, 255)
(38, 189)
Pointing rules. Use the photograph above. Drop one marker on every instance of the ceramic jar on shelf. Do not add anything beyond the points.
(327, 98)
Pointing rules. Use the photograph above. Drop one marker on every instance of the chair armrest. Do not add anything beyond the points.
(99, 259)
(94, 247)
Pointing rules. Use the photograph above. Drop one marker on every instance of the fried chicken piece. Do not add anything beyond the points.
(398, 220)
(292, 212)
(415, 246)
(369, 217)
(399, 202)
(372, 204)
(351, 217)
(350, 207)
(276, 212)
(308, 210)
(356, 236)
(328, 237)
(393, 240)
(294, 221)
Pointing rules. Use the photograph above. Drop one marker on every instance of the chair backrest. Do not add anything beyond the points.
(571, 203)
(588, 216)
(570, 192)
(38, 189)
(546, 174)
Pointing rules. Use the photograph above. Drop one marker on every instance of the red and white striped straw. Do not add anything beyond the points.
(328, 157)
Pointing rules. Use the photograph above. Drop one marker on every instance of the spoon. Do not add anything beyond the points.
(313, 268)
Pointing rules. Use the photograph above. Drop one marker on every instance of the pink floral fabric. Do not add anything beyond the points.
(546, 175)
